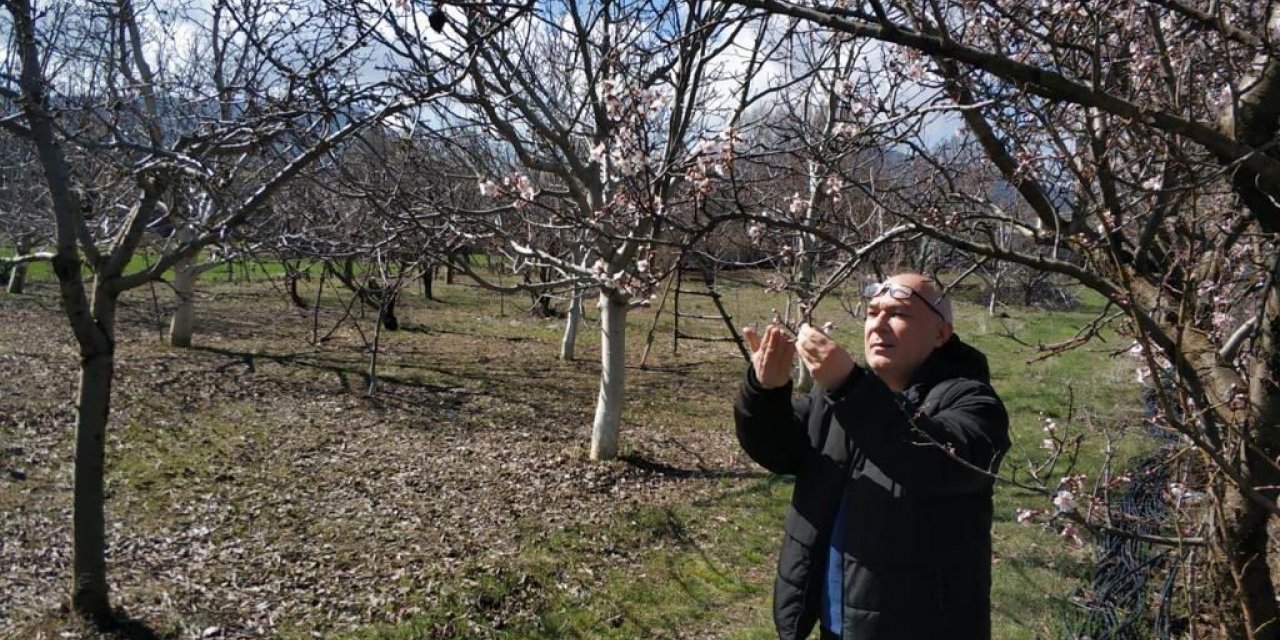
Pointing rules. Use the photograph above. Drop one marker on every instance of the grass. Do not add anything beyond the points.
(722, 579)
(698, 567)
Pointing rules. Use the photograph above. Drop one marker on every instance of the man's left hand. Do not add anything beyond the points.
(829, 363)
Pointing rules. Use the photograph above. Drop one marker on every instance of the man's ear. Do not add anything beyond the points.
(944, 334)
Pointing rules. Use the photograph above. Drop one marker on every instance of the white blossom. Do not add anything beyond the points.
(598, 152)
(798, 204)
(1065, 501)
(844, 130)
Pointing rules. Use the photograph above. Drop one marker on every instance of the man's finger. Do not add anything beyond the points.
(770, 338)
(753, 338)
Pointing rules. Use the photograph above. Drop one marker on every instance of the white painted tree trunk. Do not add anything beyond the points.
(613, 324)
(806, 268)
(572, 323)
(17, 278)
(803, 379)
(183, 325)
(184, 285)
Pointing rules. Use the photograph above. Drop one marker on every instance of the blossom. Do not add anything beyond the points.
(627, 164)
(1049, 444)
(798, 204)
(754, 232)
(1026, 515)
(834, 185)
(1065, 501)
(655, 99)
(845, 130)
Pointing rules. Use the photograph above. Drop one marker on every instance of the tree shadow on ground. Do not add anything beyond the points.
(663, 469)
(127, 628)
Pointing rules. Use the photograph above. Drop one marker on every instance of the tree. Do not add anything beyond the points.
(93, 89)
(1139, 138)
(592, 113)
(22, 223)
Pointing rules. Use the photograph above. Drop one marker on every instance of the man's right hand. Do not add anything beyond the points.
(772, 356)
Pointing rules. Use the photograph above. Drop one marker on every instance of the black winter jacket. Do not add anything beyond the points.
(917, 552)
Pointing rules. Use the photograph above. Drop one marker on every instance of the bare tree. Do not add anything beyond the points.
(590, 115)
(128, 124)
(23, 224)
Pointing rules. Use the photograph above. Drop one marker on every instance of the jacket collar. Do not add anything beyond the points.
(954, 359)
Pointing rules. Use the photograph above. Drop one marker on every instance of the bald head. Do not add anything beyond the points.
(926, 288)
(906, 320)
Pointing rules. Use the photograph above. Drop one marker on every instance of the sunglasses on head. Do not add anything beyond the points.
(898, 292)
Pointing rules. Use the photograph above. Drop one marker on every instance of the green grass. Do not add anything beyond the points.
(716, 571)
(42, 271)
(707, 565)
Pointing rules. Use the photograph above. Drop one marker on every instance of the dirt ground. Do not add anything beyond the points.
(255, 490)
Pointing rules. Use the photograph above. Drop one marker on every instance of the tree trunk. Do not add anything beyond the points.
(428, 274)
(89, 567)
(183, 325)
(1245, 545)
(808, 276)
(571, 325)
(17, 278)
(613, 324)
(803, 379)
(1245, 522)
(184, 285)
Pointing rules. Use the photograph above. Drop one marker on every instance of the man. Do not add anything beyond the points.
(889, 531)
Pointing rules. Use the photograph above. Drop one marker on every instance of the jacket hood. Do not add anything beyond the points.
(954, 359)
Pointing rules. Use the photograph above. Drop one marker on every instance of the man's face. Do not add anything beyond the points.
(900, 334)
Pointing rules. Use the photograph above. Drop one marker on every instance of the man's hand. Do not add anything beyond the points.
(772, 356)
(829, 363)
